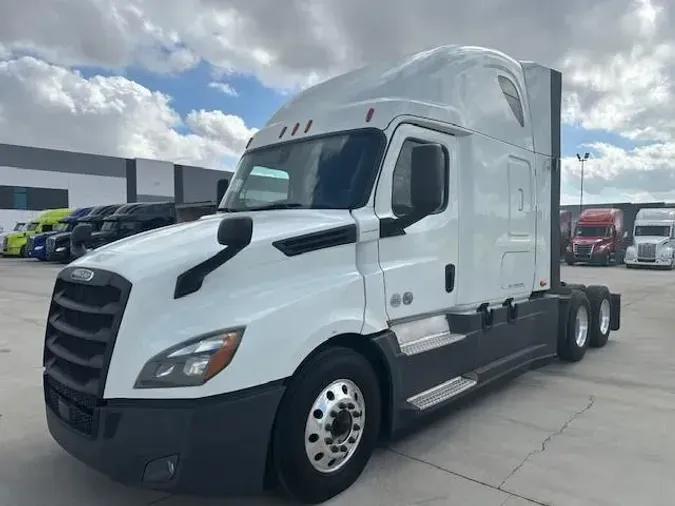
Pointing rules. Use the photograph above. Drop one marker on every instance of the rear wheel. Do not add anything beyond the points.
(327, 426)
(574, 340)
(599, 300)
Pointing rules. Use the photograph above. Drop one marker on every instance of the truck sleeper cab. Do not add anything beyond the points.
(57, 248)
(598, 238)
(653, 239)
(406, 255)
(37, 243)
(16, 243)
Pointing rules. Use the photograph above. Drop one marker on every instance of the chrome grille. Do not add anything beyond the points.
(50, 246)
(82, 325)
(583, 250)
(646, 252)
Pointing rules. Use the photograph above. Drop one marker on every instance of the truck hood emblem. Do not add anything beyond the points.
(82, 275)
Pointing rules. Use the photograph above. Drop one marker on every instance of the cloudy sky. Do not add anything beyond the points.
(190, 80)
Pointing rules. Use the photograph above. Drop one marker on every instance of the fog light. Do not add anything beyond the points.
(161, 470)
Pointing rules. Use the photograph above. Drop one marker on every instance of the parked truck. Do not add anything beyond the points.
(37, 243)
(653, 239)
(598, 238)
(410, 258)
(565, 231)
(126, 221)
(57, 247)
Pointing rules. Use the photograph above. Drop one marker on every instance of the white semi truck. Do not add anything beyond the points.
(407, 257)
(653, 239)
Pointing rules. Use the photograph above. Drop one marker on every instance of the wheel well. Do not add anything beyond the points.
(365, 347)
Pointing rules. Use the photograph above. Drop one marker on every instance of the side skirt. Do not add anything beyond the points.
(429, 380)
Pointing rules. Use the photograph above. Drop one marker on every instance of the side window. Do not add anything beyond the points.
(265, 186)
(512, 97)
(47, 228)
(400, 199)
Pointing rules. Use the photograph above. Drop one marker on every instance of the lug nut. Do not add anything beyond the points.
(350, 405)
(342, 405)
(333, 414)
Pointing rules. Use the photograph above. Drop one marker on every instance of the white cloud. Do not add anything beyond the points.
(224, 87)
(615, 54)
(49, 106)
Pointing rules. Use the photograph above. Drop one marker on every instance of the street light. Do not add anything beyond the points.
(581, 192)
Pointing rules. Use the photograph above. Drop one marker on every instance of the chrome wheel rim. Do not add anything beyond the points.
(605, 314)
(581, 327)
(334, 426)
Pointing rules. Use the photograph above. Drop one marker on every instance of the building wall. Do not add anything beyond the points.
(154, 180)
(196, 184)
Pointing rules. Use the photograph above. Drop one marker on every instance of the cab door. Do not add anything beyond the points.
(420, 265)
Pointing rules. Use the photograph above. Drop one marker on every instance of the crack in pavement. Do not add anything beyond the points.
(545, 442)
(469, 478)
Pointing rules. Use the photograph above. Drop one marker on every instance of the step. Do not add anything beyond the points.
(443, 392)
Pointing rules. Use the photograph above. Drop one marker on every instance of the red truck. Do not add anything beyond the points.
(598, 238)
(565, 231)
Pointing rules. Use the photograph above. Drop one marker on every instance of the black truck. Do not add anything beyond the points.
(58, 245)
(128, 220)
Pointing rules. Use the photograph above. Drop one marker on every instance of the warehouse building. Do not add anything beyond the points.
(33, 179)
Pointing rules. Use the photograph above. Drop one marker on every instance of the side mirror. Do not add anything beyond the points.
(222, 188)
(79, 237)
(235, 231)
(427, 179)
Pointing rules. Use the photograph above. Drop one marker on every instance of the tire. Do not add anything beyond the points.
(629, 266)
(296, 435)
(600, 302)
(569, 262)
(569, 348)
(22, 251)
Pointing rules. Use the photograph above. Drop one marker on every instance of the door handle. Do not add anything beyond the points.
(449, 278)
(521, 199)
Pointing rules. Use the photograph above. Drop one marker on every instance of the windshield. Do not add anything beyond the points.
(652, 230)
(32, 225)
(19, 227)
(331, 172)
(120, 226)
(61, 226)
(584, 231)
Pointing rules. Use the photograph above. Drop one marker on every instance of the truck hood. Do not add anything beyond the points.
(176, 248)
(647, 239)
(591, 240)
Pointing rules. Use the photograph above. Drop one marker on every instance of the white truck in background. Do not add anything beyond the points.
(653, 239)
(408, 256)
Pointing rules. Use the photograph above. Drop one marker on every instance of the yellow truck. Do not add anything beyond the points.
(15, 243)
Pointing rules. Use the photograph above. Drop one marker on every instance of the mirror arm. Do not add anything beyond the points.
(392, 227)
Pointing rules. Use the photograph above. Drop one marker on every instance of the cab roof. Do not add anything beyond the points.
(461, 86)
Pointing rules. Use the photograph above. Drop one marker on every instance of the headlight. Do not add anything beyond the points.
(631, 252)
(191, 363)
(666, 253)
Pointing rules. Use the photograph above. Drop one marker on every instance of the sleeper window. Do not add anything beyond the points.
(511, 94)
(400, 201)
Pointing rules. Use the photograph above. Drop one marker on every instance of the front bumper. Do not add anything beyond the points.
(657, 263)
(213, 446)
(37, 252)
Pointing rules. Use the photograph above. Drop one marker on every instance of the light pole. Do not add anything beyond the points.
(581, 192)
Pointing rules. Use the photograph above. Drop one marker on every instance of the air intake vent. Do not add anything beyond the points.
(317, 240)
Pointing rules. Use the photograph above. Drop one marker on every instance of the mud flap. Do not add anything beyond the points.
(615, 311)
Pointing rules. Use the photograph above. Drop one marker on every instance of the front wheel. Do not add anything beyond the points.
(327, 426)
